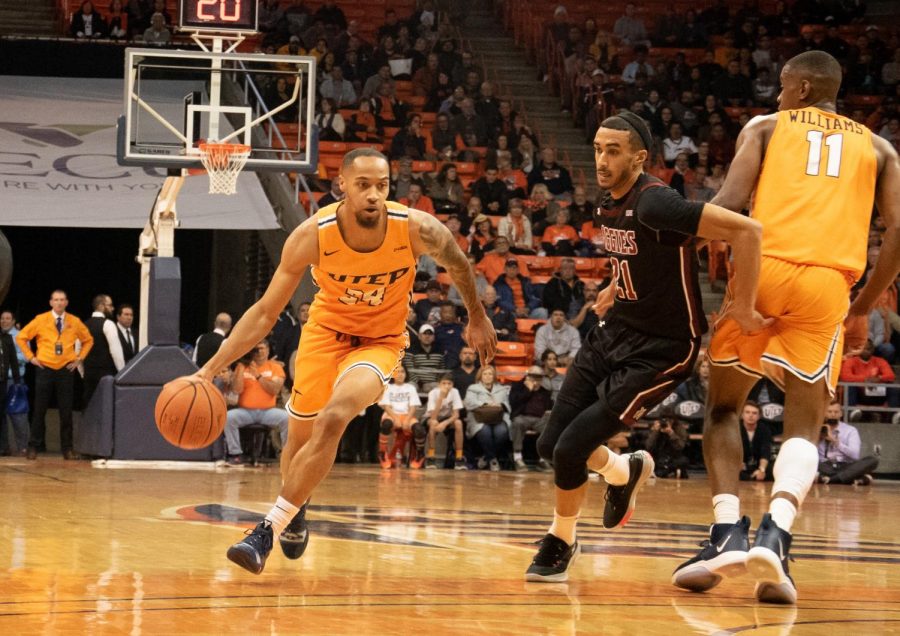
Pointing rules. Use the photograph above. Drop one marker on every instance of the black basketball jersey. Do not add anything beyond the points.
(649, 236)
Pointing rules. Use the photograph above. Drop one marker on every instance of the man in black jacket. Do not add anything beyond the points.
(757, 440)
(127, 337)
(9, 364)
(565, 290)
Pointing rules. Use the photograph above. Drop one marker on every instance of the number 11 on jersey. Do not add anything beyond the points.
(621, 278)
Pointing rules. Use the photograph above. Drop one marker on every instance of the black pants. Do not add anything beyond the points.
(92, 379)
(845, 473)
(617, 375)
(46, 383)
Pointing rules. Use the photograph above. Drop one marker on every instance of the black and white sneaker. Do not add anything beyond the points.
(767, 561)
(551, 563)
(252, 552)
(723, 554)
(295, 536)
(620, 500)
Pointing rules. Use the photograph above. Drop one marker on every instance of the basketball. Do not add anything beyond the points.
(190, 413)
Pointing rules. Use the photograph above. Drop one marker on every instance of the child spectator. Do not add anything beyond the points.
(442, 413)
(399, 402)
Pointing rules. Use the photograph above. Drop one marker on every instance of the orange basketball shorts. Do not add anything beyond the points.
(325, 356)
(809, 304)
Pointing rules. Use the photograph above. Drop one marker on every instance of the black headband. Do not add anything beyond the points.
(637, 125)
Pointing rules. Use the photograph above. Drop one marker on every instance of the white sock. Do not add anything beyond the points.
(281, 514)
(727, 508)
(517, 456)
(783, 513)
(616, 471)
(564, 527)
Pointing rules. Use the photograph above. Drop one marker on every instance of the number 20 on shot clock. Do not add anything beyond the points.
(238, 16)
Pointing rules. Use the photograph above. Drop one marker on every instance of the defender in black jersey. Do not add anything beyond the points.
(649, 335)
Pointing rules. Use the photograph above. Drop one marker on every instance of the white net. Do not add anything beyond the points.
(223, 163)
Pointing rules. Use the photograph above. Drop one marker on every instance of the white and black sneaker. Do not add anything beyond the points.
(620, 500)
(767, 561)
(551, 563)
(723, 554)
(295, 537)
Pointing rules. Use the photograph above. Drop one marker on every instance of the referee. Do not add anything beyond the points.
(55, 334)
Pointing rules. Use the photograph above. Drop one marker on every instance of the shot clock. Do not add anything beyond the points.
(226, 16)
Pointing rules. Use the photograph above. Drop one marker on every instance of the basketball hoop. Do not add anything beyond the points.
(223, 162)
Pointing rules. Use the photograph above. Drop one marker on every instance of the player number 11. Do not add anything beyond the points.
(223, 14)
(835, 145)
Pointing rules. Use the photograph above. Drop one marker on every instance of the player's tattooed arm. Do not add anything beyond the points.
(430, 236)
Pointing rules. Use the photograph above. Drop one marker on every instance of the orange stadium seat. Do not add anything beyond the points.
(511, 353)
(526, 328)
(511, 373)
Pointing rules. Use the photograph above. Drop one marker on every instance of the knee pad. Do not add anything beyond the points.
(795, 468)
(419, 432)
(387, 426)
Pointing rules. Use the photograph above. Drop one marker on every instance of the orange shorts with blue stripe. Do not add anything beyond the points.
(809, 304)
(325, 356)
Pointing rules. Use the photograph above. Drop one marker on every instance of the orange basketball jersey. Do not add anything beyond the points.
(363, 294)
(816, 190)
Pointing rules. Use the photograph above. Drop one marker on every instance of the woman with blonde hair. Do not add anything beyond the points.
(516, 227)
(487, 415)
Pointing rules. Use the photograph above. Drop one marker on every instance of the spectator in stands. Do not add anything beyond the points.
(638, 65)
(667, 28)
(391, 26)
(334, 195)
(880, 332)
(297, 17)
(463, 64)
(696, 387)
(270, 15)
(415, 199)
(560, 239)
(488, 107)
(734, 87)
(117, 24)
(553, 379)
(425, 79)
(442, 413)
(443, 136)
(530, 405)
(424, 360)
(491, 191)
(448, 334)
(453, 225)
(487, 415)
(331, 15)
(481, 283)
(472, 86)
(388, 109)
(138, 12)
(469, 121)
(464, 375)
(504, 321)
(550, 173)
(87, 23)
(630, 29)
(692, 34)
(541, 207)
(399, 402)
(558, 336)
(721, 145)
(474, 209)
(586, 318)
(516, 294)
(516, 229)
(666, 441)
(756, 439)
(157, 34)
(374, 82)
(12, 371)
(481, 238)
(452, 106)
(514, 179)
(839, 452)
(278, 93)
(257, 382)
(765, 90)
(106, 356)
(338, 89)
(124, 322)
(493, 264)
(564, 290)
(427, 309)
(676, 143)
(208, 344)
(527, 153)
(447, 192)
(159, 6)
(401, 181)
(874, 371)
(329, 122)
(890, 72)
(682, 177)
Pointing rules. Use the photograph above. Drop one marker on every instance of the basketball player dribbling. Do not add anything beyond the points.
(648, 339)
(363, 252)
(814, 176)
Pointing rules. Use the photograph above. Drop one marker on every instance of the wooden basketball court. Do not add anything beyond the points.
(103, 551)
